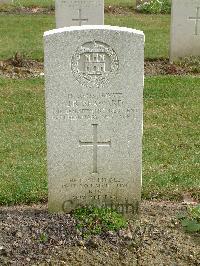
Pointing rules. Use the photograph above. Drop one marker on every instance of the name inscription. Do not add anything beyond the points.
(93, 106)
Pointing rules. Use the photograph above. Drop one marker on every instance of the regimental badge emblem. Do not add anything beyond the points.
(94, 63)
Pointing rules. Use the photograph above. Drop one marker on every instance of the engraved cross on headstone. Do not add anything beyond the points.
(197, 19)
(95, 144)
(80, 19)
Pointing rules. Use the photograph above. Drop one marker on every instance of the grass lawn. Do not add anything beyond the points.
(171, 137)
(22, 141)
(23, 33)
(171, 142)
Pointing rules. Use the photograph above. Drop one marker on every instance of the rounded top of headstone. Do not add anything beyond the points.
(93, 27)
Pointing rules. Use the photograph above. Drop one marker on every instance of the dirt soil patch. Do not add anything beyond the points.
(19, 67)
(26, 10)
(114, 10)
(31, 236)
(119, 10)
(164, 67)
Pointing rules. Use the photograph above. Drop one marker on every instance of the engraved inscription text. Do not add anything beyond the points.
(89, 106)
(93, 63)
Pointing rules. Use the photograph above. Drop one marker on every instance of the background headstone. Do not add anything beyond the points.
(94, 92)
(79, 12)
(185, 29)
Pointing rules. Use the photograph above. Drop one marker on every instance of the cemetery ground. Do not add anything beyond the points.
(31, 236)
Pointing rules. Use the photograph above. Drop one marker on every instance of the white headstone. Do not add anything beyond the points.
(185, 29)
(79, 12)
(94, 107)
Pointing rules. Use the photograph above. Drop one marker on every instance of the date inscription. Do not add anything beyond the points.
(93, 106)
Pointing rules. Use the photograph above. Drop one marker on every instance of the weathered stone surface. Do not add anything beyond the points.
(79, 12)
(94, 92)
(185, 29)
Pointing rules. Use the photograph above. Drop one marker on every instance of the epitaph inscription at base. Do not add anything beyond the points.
(94, 92)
